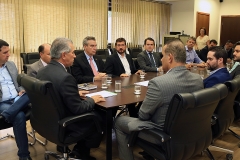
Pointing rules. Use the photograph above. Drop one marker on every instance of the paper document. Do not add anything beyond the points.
(143, 83)
(102, 93)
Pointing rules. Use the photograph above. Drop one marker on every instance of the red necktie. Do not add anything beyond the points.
(93, 67)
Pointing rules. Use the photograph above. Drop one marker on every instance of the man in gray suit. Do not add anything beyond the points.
(45, 58)
(149, 60)
(159, 94)
(13, 100)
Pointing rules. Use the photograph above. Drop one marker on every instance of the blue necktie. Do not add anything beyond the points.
(151, 59)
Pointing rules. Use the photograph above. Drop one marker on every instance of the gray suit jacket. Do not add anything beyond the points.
(159, 94)
(145, 62)
(33, 68)
(12, 69)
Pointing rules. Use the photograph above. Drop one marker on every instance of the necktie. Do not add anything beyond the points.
(93, 67)
(151, 59)
(234, 66)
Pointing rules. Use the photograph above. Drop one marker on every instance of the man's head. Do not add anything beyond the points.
(228, 45)
(62, 50)
(236, 53)
(149, 44)
(4, 52)
(174, 54)
(212, 43)
(216, 58)
(44, 52)
(90, 45)
(191, 42)
(120, 45)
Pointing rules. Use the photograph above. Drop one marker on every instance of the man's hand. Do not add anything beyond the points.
(188, 65)
(138, 72)
(83, 93)
(98, 98)
(21, 92)
(99, 76)
(124, 75)
(202, 65)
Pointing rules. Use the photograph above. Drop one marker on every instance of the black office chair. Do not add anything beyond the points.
(48, 116)
(224, 114)
(29, 58)
(134, 51)
(103, 53)
(187, 129)
(77, 52)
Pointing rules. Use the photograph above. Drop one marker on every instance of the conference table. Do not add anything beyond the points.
(126, 96)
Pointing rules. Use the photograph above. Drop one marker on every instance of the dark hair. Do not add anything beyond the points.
(120, 40)
(192, 38)
(150, 39)
(213, 41)
(205, 31)
(229, 41)
(219, 52)
(3, 43)
(177, 49)
(236, 44)
(40, 49)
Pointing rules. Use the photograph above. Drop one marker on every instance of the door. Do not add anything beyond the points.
(229, 29)
(202, 21)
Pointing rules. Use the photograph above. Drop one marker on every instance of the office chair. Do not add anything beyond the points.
(224, 114)
(29, 58)
(187, 129)
(48, 116)
(77, 52)
(134, 51)
(103, 53)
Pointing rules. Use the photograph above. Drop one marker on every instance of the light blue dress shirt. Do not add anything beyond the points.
(8, 89)
(192, 57)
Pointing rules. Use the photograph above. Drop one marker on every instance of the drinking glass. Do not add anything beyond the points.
(104, 83)
(142, 74)
(137, 89)
(109, 78)
(118, 86)
(228, 66)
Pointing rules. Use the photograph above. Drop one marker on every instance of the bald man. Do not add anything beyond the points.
(45, 58)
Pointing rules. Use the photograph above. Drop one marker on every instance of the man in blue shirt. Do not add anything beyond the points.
(216, 63)
(13, 101)
(191, 55)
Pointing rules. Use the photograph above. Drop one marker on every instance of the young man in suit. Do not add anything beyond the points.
(87, 66)
(13, 101)
(203, 53)
(45, 58)
(228, 47)
(159, 94)
(62, 53)
(119, 63)
(236, 57)
(216, 63)
(149, 60)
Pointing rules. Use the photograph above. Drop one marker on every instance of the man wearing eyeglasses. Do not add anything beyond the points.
(87, 66)
(236, 57)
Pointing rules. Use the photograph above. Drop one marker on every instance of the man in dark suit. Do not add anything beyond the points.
(203, 53)
(236, 57)
(216, 63)
(160, 91)
(120, 63)
(45, 58)
(228, 47)
(149, 60)
(87, 66)
(62, 53)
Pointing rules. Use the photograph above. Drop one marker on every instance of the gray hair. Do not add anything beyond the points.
(59, 46)
(177, 49)
(88, 38)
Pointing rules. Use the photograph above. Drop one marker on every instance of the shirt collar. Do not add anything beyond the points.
(212, 72)
(87, 56)
(63, 66)
(44, 63)
(120, 56)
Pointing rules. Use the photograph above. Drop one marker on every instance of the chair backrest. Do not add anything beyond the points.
(134, 52)
(188, 122)
(47, 108)
(103, 53)
(77, 52)
(32, 57)
(24, 58)
(224, 110)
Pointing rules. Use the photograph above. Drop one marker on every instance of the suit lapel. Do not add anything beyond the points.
(85, 61)
(147, 57)
(118, 60)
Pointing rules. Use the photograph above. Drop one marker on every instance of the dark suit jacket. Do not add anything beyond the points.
(81, 69)
(203, 54)
(145, 62)
(221, 76)
(114, 66)
(235, 72)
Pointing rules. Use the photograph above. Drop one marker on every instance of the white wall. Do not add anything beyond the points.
(183, 15)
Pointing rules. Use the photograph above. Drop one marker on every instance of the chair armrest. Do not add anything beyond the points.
(156, 132)
(84, 117)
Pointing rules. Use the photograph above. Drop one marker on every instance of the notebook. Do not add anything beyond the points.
(87, 86)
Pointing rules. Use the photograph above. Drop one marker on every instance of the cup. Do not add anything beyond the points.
(109, 78)
(137, 89)
(228, 66)
(142, 74)
(118, 86)
(104, 83)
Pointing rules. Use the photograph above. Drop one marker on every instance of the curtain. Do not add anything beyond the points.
(26, 24)
(136, 20)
